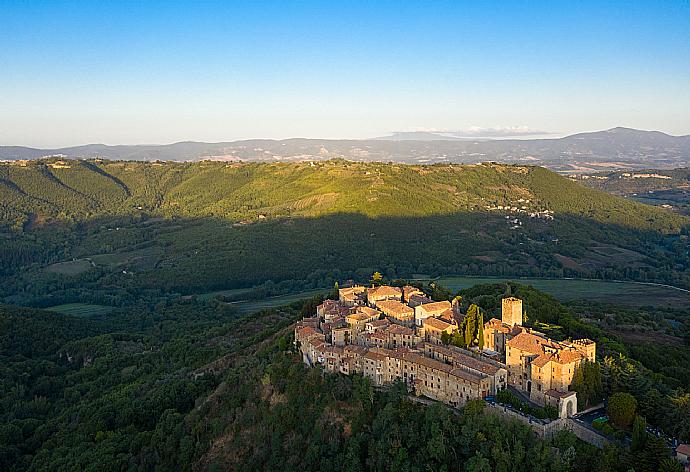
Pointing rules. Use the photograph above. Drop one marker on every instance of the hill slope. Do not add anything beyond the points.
(79, 190)
(112, 233)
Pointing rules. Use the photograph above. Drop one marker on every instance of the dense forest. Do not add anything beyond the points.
(192, 386)
(113, 233)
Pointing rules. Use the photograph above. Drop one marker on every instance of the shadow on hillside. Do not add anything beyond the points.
(195, 255)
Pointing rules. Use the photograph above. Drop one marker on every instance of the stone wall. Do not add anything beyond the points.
(548, 429)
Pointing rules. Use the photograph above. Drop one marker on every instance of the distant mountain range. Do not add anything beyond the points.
(617, 148)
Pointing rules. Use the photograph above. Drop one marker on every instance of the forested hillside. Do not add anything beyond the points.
(190, 385)
(112, 233)
(79, 190)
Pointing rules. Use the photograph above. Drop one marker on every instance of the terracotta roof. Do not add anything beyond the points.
(374, 356)
(351, 293)
(397, 329)
(435, 307)
(367, 310)
(384, 291)
(333, 307)
(683, 449)
(306, 331)
(398, 353)
(395, 308)
(427, 362)
(462, 357)
(420, 299)
(475, 363)
(357, 350)
(354, 317)
(379, 323)
(463, 374)
(437, 324)
(379, 335)
(531, 343)
(332, 349)
(566, 356)
(497, 325)
(409, 290)
(556, 394)
(543, 359)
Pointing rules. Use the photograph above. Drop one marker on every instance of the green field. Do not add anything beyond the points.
(251, 306)
(74, 267)
(619, 293)
(82, 310)
(236, 292)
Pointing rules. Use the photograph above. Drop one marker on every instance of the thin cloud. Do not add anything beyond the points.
(482, 132)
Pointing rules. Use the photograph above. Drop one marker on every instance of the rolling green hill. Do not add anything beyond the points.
(113, 233)
(78, 190)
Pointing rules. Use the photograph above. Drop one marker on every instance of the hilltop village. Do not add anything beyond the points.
(393, 334)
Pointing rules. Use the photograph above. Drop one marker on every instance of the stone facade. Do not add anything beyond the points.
(379, 337)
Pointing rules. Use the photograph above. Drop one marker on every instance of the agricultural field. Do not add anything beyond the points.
(252, 306)
(232, 293)
(70, 268)
(634, 294)
(81, 310)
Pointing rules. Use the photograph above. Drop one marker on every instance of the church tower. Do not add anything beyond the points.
(511, 311)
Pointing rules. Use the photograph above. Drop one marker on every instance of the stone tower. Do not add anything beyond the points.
(511, 311)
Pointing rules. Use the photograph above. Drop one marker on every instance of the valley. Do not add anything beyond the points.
(157, 301)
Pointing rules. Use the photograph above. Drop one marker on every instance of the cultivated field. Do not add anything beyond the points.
(251, 306)
(620, 293)
(75, 267)
(83, 310)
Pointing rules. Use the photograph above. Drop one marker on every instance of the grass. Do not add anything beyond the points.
(139, 259)
(75, 267)
(81, 310)
(619, 293)
(223, 293)
(252, 306)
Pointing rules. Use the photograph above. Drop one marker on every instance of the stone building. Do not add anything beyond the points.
(544, 369)
(409, 291)
(363, 314)
(433, 329)
(382, 293)
(497, 332)
(511, 311)
(330, 309)
(397, 348)
(416, 300)
(397, 312)
(471, 362)
(433, 309)
(352, 296)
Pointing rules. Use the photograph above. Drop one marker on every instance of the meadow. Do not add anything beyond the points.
(81, 310)
(634, 294)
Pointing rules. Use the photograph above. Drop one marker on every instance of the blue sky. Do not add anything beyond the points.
(157, 72)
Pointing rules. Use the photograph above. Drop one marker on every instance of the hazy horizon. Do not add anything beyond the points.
(165, 72)
(466, 138)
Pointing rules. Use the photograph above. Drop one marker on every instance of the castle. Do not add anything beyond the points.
(540, 367)
(396, 334)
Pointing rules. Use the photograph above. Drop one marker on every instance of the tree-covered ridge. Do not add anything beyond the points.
(188, 386)
(79, 190)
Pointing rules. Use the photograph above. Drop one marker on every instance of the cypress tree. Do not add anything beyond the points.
(480, 331)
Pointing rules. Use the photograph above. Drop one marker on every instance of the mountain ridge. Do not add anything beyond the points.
(583, 152)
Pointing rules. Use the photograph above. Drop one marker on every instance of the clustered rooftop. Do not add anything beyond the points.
(397, 333)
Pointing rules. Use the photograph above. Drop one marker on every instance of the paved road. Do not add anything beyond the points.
(591, 415)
